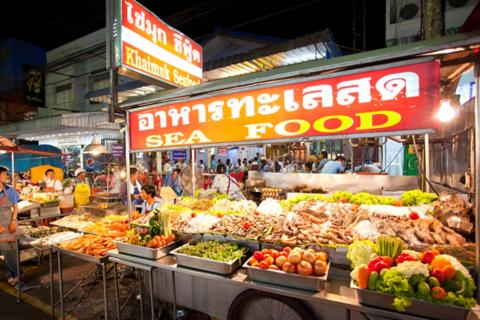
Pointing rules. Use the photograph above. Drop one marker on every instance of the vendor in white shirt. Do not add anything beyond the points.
(52, 184)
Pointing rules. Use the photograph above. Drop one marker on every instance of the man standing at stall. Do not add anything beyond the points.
(82, 190)
(148, 196)
(8, 225)
(337, 166)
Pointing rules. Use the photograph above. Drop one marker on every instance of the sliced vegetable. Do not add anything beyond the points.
(438, 293)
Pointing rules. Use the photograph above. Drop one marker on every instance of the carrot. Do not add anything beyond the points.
(363, 274)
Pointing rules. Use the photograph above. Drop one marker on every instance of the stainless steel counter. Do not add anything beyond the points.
(213, 294)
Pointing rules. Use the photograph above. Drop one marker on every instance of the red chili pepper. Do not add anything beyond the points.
(219, 215)
(377, 265)
(413, 215)
(343, 200)
(246, 225)
(405, 257)
(194, 215)
(256, 213)
(428, 257)
(388, 260)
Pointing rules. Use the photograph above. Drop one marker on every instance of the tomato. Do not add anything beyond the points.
(284, 254)
(320, 267)
(273, 267)
(275, 254)
(309, 257)
(438, 273)
(270, 260)
(264, 264)
(252, 261)
(438, 293)
(289, 267)
(258, 256)
(280, 261)
(287, 249)
(256, 265)
(294, 257)
(449, 272)
(413, 215)
(305, 268)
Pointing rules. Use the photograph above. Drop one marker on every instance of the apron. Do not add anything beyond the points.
(82, 194)
(5, 217)
(51, 189)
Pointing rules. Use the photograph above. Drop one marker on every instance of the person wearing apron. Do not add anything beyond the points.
(135, 188)
(52, 184)
(8, 225)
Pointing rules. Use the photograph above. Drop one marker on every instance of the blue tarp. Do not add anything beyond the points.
(24, 161)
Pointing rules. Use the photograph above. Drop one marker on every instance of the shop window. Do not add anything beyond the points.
(100, 81)
(64, 95)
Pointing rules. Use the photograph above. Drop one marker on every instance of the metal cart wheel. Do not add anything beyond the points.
(258, 305)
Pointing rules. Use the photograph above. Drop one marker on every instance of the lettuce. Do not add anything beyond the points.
(359, 252)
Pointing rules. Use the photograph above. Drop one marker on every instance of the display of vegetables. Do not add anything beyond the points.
(390, 246)
(157, 234)
(409, 198)
(304, 262)
(417, 197)
(412, 275)
(213, 250)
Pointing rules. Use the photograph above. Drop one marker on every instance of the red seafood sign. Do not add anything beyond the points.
(388, 100)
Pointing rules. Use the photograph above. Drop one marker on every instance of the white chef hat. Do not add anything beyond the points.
(78, 171)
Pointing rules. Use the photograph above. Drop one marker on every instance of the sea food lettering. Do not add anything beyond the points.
(295, 127)
(175, 139)
(346, 93)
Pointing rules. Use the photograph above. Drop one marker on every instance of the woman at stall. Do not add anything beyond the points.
(81, 189)
(8, 225)
(148, 196)
(52, 184)
(225, 184)
(135, 188)
(173, 181)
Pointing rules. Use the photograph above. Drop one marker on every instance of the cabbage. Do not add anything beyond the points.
(359, 252)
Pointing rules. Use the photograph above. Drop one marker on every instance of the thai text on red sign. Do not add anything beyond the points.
(153, 48)
(389, 100)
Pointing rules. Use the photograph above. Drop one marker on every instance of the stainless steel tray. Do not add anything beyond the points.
(420, 308)
(81, 256)
(287, 279)
(144, 252)
(209, 265)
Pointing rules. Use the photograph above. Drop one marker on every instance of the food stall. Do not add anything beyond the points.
(394, 94)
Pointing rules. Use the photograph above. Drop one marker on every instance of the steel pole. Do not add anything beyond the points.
(194, 180)
(477, 175)
(127, 164)
(427, 163)
(13, 170)
(112, 24)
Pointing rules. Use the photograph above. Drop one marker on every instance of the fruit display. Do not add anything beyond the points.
(409, 274)
(90, 244)
(303, 262)
(213, 250)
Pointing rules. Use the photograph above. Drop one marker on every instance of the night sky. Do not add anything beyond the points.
(52, 23)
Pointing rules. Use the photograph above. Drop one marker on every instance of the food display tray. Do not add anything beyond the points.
(144, 252)
(419, 308)
(292, 280)
(81, 256)
(209, 265)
